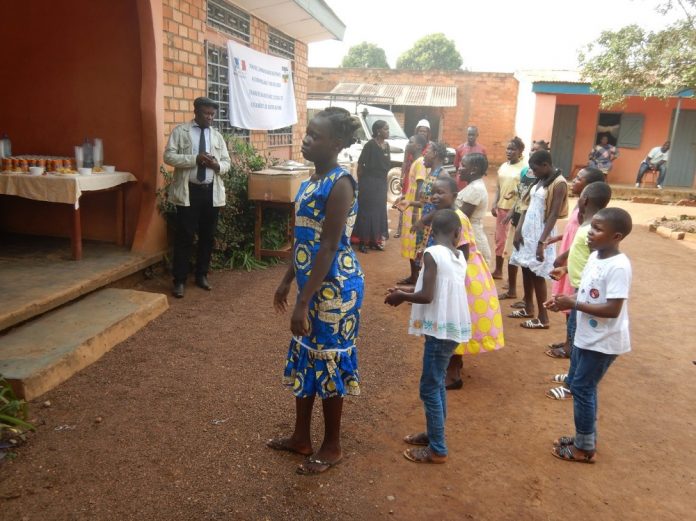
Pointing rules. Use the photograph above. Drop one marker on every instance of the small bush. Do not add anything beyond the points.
(13, 411)
(234, 238)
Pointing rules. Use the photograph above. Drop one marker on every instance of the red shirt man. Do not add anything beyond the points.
(469, 147)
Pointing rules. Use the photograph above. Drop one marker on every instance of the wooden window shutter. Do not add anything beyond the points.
(630, 131)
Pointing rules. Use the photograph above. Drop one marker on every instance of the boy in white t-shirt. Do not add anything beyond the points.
(602, 326)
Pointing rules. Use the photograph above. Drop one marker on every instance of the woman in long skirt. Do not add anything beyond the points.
(371, 226)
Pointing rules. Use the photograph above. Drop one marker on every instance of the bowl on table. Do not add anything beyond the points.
(84, 171)
(109, 169)
(36, 170)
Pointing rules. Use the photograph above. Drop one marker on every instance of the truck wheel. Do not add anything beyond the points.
(394, 184)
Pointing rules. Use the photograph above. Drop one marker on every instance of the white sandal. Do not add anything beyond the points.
(560, 378)
(559, 393)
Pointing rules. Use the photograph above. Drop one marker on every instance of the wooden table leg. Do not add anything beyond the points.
(120, 220)
(257, 230)
(76, 235)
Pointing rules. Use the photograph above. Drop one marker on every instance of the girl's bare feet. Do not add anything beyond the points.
(289, 445)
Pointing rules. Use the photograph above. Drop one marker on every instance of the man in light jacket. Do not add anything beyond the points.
(200, 158)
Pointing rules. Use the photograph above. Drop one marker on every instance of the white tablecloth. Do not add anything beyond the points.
(59, 188)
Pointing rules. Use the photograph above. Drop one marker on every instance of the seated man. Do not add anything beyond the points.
(655, 160)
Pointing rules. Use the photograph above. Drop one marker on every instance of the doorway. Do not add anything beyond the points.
(608, 124)
(415, 114)
(565, 120)
(681, 167)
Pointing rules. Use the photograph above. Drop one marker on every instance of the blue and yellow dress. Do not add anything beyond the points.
(325, 362)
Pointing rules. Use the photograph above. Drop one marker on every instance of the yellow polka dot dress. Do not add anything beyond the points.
(484, 307)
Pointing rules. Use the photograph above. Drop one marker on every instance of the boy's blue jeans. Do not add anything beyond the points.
(586, 371)
(436, 357)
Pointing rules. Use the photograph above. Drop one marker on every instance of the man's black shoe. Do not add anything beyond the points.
(178, 290)
(202, 282)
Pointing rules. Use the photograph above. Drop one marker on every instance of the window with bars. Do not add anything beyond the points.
(283, 46)
(229, 19)
(218, 87)
(280, 44)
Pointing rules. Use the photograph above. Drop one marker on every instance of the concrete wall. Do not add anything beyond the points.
(487, 100)
(67, 80)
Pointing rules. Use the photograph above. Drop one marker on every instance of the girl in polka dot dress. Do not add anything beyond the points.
(486, 319)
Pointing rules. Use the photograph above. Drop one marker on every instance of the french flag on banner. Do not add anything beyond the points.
(262, 96)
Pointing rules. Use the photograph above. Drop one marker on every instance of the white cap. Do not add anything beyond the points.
(423, 123)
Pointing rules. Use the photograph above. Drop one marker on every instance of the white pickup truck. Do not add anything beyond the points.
(367, 115)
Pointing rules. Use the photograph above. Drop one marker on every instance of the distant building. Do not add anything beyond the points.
(557, 106)
(449, 100)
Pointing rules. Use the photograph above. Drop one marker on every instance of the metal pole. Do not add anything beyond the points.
(676, 119)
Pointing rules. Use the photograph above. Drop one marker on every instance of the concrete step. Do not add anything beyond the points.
(46, 351)
(35, 276)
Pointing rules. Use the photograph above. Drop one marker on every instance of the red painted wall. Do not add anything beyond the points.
(76, 72)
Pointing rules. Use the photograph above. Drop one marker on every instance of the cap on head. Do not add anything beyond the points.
(423, 123)
(205, 102)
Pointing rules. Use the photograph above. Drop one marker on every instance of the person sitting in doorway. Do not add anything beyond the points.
(656, 160)
(603, 155)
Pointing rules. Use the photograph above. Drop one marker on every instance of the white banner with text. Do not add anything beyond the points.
(262, 96)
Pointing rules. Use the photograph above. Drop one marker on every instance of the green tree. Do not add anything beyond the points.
(633, 61)
(434, 51)
(365, 55)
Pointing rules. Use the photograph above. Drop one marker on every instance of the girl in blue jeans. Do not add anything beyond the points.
(440, 312)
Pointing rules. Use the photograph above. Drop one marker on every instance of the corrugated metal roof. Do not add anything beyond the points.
(550, 76)
(414, 95)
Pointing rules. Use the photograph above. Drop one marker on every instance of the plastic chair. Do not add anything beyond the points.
(650, 178)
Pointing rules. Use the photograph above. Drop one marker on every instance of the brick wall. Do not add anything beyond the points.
(185, 33)
(184, 60)
(487, 100)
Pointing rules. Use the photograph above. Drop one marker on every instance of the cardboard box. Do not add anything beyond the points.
(276, 185)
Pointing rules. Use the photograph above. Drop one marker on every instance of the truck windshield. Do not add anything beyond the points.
(395, 130)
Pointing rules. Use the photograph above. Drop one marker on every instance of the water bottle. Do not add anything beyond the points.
(5, 146)
(87, 154)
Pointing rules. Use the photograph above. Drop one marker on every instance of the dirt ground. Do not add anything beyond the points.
(171, 424)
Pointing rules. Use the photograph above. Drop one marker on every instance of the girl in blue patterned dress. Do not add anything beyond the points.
(433, 159)
(322, 359)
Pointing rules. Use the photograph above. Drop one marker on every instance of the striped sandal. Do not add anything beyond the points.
(560, 378)
(520, 313)
(559, 393)
(570, 453)
(564, 440)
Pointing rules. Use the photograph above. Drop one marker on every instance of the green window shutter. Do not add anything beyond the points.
(630, 131)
